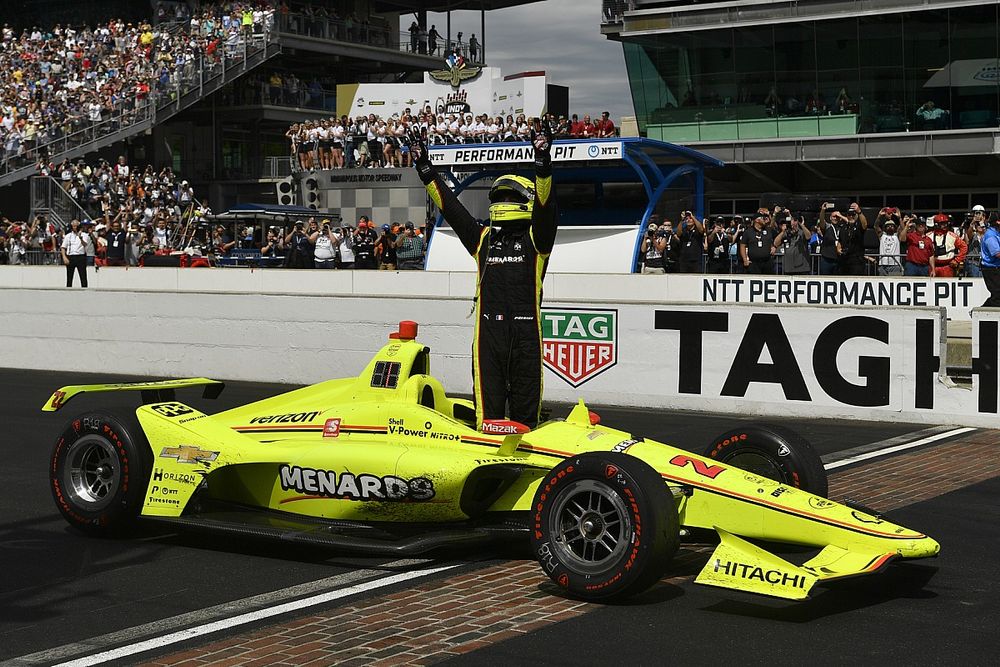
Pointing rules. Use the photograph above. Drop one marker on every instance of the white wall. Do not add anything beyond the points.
(288, 335)
(957, 295)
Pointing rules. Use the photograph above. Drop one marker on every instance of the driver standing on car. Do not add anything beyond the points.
(511, 253)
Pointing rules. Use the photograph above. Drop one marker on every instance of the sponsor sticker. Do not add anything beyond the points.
(752, 572)
(172, 409)
(346, 485)
(623, 446)
(818, 503)
(579, 344)
(289, 418)
(332, 428)
(189, 454)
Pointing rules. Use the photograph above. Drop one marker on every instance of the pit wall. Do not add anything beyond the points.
(606, 339)
(957, 295)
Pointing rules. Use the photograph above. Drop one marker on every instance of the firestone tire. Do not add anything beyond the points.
(604, 526)
(98, 473)
(774, 452)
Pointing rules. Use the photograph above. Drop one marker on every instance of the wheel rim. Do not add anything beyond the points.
(93, 473)
(758, 464)
(591, 526)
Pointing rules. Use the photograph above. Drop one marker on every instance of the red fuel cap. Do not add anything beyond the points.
(407, 331)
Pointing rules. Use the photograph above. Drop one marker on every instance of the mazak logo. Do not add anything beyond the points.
(579, 344)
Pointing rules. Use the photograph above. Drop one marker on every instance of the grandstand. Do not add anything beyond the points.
(195, 86)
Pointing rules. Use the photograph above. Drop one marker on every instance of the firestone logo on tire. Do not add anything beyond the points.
(579, 343)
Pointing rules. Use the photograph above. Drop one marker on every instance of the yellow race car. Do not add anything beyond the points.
(388, 463)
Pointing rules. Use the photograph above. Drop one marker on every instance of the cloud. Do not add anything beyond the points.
(562, 37)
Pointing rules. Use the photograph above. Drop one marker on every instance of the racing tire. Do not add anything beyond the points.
(774, 452)
(99, 472)
(604, 526)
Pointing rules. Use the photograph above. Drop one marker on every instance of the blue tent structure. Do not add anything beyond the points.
(657, 165)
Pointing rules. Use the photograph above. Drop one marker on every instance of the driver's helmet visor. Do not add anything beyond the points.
(509, 190)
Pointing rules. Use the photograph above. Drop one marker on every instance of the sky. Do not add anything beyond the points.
(561, 37)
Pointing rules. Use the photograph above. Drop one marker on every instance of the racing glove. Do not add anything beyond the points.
(541, 139)
(421, 157)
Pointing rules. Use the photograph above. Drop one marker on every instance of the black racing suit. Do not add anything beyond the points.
(507, 344)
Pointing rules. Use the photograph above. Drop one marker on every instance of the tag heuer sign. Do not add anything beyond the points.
(578, 344)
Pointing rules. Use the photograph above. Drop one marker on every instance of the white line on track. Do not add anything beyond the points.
(890, 447)
(209, 620)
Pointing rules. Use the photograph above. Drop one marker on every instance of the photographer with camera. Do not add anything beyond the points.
(297, 241)
(758, 245)
(842, 251)
(949, 251)
(272, 246)
(326, 244)
(671, 246)
(385, 247)
(690, 235)
(975, 229)
(795, 236)
(716, 245)
(409, 249)
(652, 246)
(345, 252)
(886, 227)
(852, 242)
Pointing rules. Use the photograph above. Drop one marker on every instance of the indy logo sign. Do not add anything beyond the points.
(579, 343)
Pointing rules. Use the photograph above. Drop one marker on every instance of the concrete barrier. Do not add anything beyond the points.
(610, 341)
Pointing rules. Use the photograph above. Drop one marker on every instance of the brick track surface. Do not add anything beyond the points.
(447, 617)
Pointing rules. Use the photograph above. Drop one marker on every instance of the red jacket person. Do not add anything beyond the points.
(511, 254)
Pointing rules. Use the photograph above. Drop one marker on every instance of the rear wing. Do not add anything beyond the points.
(152, 392)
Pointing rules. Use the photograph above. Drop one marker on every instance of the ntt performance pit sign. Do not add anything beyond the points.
(481, 154)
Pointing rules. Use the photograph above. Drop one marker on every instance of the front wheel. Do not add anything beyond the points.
(773, 452)
(99, 472)
(605, 526)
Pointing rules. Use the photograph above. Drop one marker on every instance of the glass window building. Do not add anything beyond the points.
(884, 72)
(849, 96)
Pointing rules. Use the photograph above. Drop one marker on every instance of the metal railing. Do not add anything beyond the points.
(613, 10)
(681, 16)
(184, 89)
(875, 265)
(48, 197)
(378, 35)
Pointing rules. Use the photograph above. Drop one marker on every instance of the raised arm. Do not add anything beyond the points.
(544, 217)
(469, 231)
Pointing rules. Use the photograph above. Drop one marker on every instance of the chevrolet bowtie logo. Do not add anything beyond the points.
(188, 454)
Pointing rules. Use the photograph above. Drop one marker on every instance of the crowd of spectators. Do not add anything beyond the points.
(77, 82)
(373, 141)
(836, 240)
(324, 244)
(131, 238)
(152, 207)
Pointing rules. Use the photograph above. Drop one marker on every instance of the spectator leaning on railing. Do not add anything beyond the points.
(374, 141)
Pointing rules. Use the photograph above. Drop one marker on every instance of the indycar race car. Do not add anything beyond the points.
(388, 463)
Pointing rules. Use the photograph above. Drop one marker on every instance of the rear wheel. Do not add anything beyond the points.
(99, 472)
(773, 452)
(604, 526)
